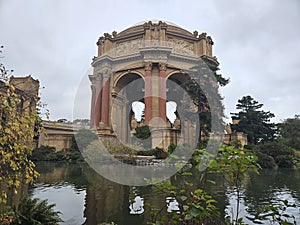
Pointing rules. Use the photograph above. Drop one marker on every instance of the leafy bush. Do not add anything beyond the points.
(143, 135)
(283, 155)
(265, 161)
(150, 152)
(48, 153)
(36, 212)
(171, 148)
(285, 161)
(159, 153)
(43, 153)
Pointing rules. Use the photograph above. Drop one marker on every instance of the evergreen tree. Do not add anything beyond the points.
(253, 121)
(290, 132)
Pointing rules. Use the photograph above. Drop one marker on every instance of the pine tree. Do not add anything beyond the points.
(253, 121)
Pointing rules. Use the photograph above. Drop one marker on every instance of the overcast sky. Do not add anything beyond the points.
(256, 42)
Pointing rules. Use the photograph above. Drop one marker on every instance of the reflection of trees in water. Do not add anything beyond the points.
(54, 173)
(270, 187)
(107, 201)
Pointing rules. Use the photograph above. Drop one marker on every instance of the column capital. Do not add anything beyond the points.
(98, 77)
(148, 66)
(106, 73)
(162, 66)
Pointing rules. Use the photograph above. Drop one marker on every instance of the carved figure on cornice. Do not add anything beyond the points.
(210, 41)
(100, 41)
(203, 35)
(107, 35)
(114, 34)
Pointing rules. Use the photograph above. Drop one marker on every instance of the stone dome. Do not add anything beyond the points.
(172, 27)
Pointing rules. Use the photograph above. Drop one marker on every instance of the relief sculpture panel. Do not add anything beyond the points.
(181, 46)
(128, 47)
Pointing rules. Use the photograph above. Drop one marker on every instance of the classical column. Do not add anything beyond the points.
(105, 100)
(162, 91)
(93, 104)
(148, 92)
(97, 101)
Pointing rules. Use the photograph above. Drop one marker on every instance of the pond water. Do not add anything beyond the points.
(84, 197)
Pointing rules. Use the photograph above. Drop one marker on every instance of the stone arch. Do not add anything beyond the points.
(128, 88)
(120, 76)
(176, 93)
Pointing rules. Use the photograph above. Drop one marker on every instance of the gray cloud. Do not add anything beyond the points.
(256, 42)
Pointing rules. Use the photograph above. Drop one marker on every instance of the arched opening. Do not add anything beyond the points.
(128, 98)
(171, 111)
(138, 109)
(182, 111)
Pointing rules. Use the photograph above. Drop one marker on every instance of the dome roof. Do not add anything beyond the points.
(139, 27)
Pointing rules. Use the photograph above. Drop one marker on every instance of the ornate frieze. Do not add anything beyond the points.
(180, 46)
(128, 47)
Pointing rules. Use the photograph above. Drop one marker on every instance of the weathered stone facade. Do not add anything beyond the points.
(27, 90)
(150, 55)
(58, 135)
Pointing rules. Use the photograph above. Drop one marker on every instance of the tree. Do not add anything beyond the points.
(253, 121)
(84, 122)
(143, 135)
(17, 121)
(290, 132)
(208, 100)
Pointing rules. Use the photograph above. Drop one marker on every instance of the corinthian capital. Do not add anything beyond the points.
(148, 65)
(162, 66)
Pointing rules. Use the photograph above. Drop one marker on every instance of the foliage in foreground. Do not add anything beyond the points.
(16, 137)
(31, 212)
(197, 207)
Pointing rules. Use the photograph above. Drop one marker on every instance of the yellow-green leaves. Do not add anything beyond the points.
(17, 121)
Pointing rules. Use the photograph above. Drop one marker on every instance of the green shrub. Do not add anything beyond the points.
(150, 152)
(143, 135)
(43, 153)
(283, 155)
(285, 161)
(159, 153)
(171, 148)
(36, 212)
(265, 161)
